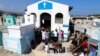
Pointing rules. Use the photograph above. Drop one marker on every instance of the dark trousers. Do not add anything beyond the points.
(55, 50)
(70, 34)
(55, 39)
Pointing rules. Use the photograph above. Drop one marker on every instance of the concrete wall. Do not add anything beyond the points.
(0, 38)
(17, 45)
(19, 38)
(56, 8)
(20, 20)
(14, 31)
(99, 48)
(9, 20)
(29, 19)
(95, 37)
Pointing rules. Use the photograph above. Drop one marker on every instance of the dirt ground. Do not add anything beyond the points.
(37, 52)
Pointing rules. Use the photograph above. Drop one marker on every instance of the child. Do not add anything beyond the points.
(85, 45)
(74, 42)
(56, 46)
(60, 36)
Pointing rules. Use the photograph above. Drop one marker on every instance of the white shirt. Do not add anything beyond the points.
(43, 35)
(47, 35)
(55, 33)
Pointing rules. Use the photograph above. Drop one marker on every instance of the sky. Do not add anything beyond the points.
(80, 7)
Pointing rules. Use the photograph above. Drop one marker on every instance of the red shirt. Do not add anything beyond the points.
(85, 44)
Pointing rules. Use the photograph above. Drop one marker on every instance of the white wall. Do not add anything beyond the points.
(98, 48)
(19, 38)
(19, 20)
(29, 18)
(14, 31)
(57, 8)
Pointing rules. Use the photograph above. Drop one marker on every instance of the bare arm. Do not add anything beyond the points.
(92, 43)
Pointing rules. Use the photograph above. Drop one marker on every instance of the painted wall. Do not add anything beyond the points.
(95, 37)
(99, 48)
(19, 38)
(14, 31)
(0, 38)
(29, 19)
(20, 20)
(9, 20)
(51, 8)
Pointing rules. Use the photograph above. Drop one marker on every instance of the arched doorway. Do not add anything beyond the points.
(45, 20)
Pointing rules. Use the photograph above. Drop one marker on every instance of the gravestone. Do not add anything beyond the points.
(9, 20)
(0, 38)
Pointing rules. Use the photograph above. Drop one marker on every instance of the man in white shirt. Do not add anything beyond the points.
(43, 35)
(55, 35)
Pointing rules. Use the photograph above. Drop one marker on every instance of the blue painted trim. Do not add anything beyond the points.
(65, 25)
(45, 6)
(65, 33)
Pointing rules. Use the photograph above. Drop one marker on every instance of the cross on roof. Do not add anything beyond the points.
(44, 4)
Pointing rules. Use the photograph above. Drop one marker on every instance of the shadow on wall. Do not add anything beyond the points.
(33, 44)
(29, 47)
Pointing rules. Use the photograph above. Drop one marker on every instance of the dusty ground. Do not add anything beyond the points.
(37, 52)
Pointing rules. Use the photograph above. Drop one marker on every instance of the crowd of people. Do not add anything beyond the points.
(80, 46)
(52, 39)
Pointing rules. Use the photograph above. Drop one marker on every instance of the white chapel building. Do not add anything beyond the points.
(49, 14)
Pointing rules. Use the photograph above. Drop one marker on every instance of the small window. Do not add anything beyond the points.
(59, 18)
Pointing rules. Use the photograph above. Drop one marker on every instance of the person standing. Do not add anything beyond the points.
(85, 30)
(2, 20)
(43, 35)
(47, 35)
(92, 50)
(60, 37)
(51, 36)
(71, 29)
(55, 35)
(84, 27)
